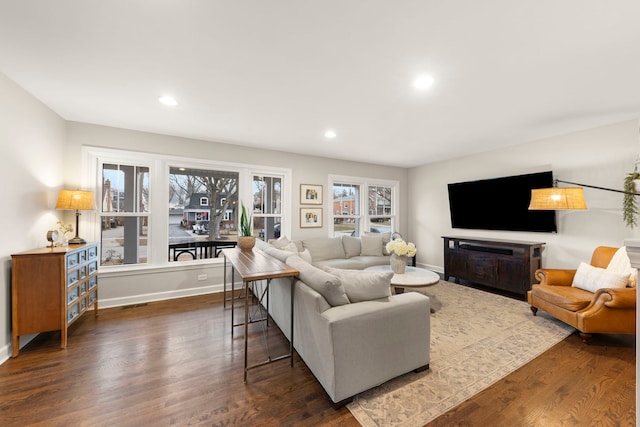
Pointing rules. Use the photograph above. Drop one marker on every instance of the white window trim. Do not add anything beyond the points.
(364, 191)
(159, 165)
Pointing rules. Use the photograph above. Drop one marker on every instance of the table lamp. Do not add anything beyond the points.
(79, 201)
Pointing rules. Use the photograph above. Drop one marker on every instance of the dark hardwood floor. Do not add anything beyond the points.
(176, 363)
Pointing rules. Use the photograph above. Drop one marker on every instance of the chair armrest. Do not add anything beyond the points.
(616, 298)
(555, 276)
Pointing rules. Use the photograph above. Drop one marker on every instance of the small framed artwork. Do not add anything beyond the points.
(310, 217)
(310, 194)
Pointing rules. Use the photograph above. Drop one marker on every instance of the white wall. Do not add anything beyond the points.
(32, 141)
(180, 279)
(600, 156)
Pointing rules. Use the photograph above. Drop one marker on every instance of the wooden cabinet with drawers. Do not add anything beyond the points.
(51, 288)
(506, 265)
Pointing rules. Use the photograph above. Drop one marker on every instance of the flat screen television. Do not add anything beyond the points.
(500, 204)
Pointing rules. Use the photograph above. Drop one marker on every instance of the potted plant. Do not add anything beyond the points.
(246, 241)
(630, 207)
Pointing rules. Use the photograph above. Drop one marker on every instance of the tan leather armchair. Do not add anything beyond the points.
(610, 311)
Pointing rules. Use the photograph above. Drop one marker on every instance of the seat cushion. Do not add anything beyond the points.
(567, 297)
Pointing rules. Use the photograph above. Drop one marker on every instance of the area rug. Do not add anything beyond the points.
(477, 338)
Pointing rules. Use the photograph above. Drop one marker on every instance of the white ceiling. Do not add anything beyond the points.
(278, 73)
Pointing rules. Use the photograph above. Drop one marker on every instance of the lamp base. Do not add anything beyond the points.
(77, 241)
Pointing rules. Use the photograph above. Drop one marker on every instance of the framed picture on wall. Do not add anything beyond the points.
(310, 217)
(310, 194)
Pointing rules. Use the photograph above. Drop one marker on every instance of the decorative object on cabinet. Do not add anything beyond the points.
(51, 288)
(79, 201)
(52, 236)
(310, 194)
(310, 217)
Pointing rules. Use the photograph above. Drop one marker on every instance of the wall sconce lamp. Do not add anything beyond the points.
(563, 198)
(79, 201)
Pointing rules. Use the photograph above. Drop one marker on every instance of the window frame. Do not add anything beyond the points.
(159, 166)
(364, 217)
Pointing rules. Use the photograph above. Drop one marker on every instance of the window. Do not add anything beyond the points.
(207, 201)
(153, 202)
(348, 216)
(380, 208)
(346, 220)
(267, 206)
(124, 214)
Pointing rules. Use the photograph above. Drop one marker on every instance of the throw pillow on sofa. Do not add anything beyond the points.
(363, 285)
(620, 263)
(351, 246)
(386, 238)
(326, 284)
(292, 248)
(592, 278)
(324, 248)
(371, 246)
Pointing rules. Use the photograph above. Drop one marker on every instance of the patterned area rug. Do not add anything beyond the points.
(477, 338)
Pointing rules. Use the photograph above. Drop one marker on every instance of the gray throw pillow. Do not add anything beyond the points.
(364, 285)
(371, 246)
(327, 285)
(324, 248)
(386, 238)
(351, 246)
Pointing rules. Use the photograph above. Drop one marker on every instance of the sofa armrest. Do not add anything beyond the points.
(555, 276)
(374, 341)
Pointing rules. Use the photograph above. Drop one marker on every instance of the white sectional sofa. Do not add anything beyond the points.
(351, 332)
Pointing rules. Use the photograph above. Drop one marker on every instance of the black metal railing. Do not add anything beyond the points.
(199, 249)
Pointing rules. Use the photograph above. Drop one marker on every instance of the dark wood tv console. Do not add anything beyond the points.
(507, 265)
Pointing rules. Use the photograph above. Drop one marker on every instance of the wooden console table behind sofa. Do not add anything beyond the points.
(255, 265)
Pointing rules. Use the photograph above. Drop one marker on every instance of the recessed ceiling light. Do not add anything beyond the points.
(168, 100)
(423, 82)
(330, 134)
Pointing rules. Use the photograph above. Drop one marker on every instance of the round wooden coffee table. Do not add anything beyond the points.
(413, 277)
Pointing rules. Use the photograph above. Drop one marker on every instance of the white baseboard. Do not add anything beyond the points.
(158, 296)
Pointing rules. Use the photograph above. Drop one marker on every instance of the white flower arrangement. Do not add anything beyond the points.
(400, 247)
(65, 228)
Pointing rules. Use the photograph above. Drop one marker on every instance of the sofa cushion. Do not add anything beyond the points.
(324, 248)
(567, 297)
(620, 263)
(370, 261)
(279, 254)
(349, 263)
(326, 284)
(371, 246)
(386, 238)
(351, 246)
(279, 242)
(592, 278)
(363, 285)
